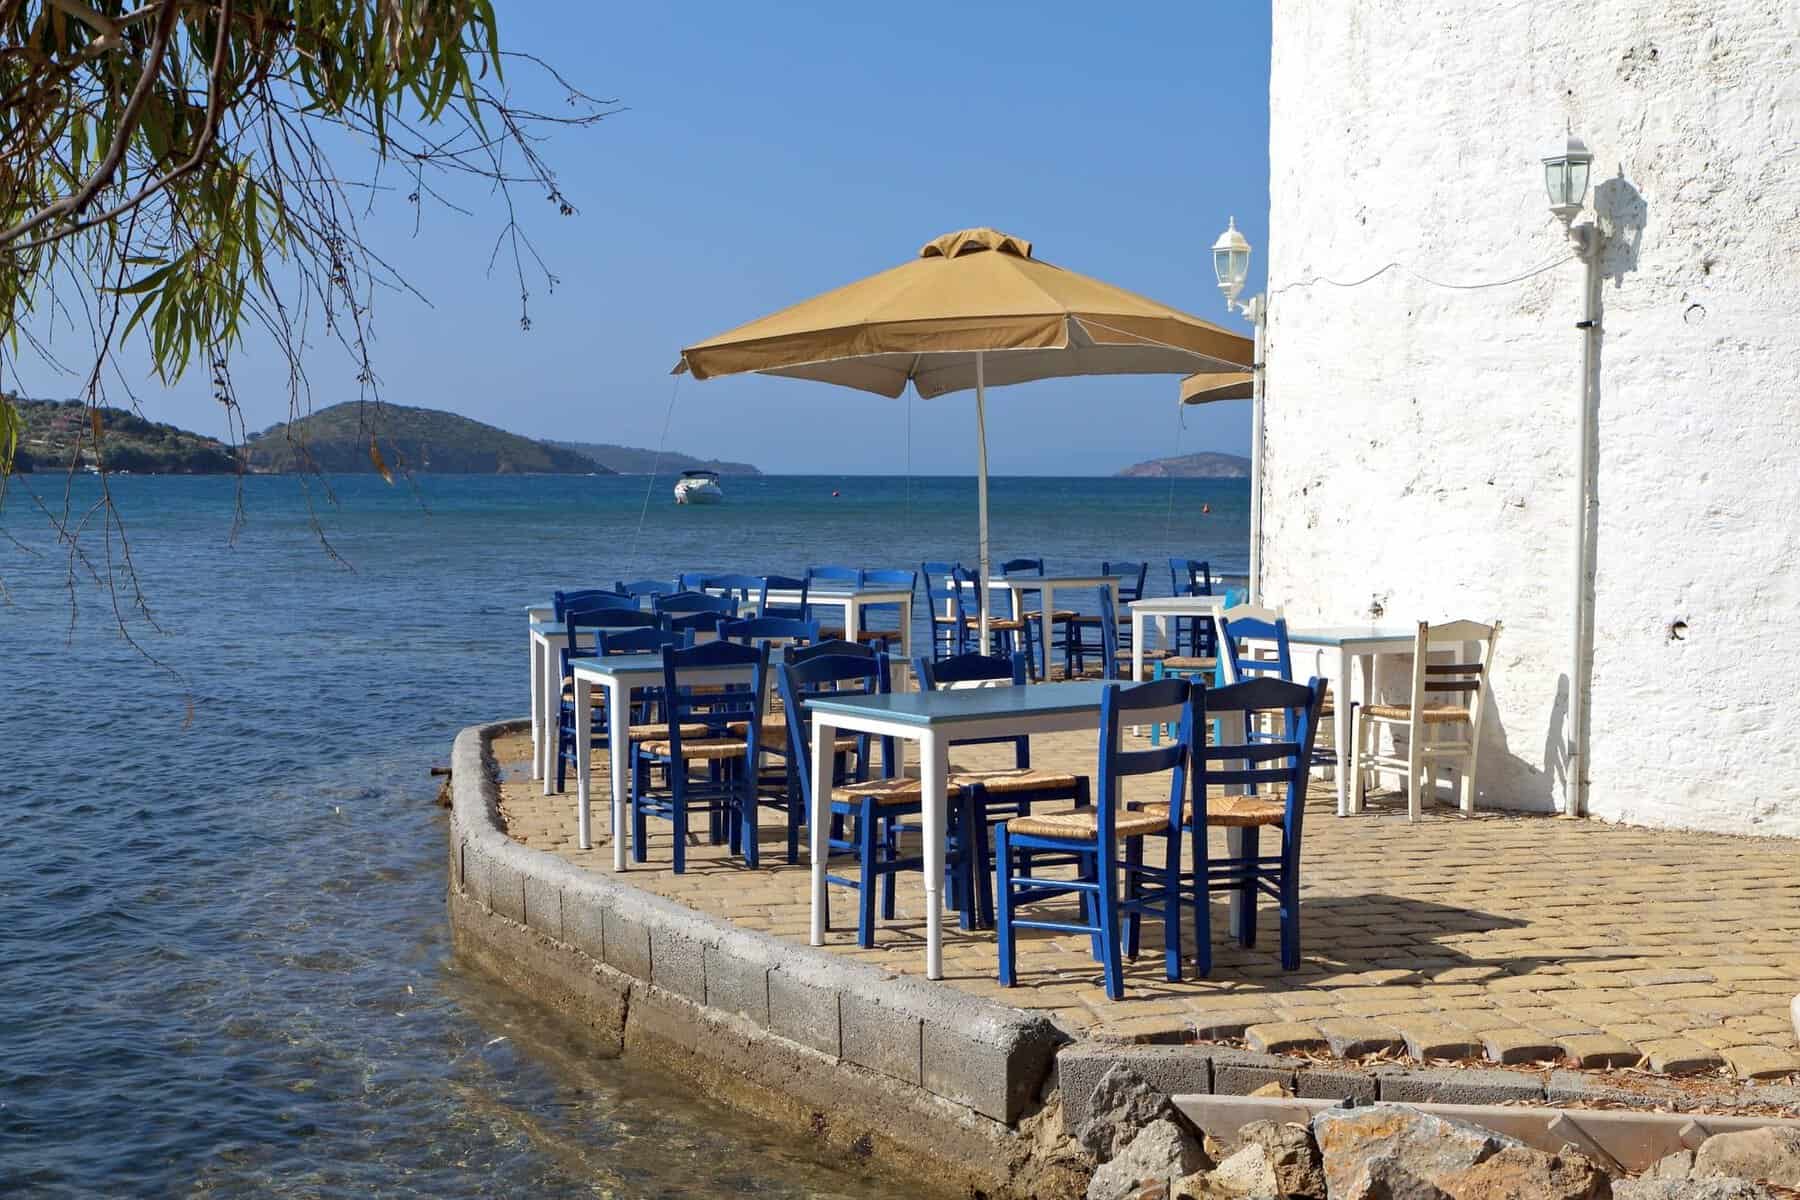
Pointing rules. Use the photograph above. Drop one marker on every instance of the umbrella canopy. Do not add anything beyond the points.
(972, 308)
(1206, 387)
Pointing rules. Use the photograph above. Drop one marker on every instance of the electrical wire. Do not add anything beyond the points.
(650, 487)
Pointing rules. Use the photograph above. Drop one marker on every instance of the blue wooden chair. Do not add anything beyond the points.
(1013, 634)
(794, 610)
(1204, 669)
(648, 587)
(943, 593)
(562, 602)
(644, 640)
(1193, 635)
(1107, 839)
(1005, 792)
(875, 806)
(576, 623)
(697, 732)
(1274, 768)
(691, 581)
(889, 636)
(1039, 663)
(739, 587)
(1076, 646)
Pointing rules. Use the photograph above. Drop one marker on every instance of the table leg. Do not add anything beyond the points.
(1232, 733)
(552, 701)
(1344, 730)
(1046, 623)
(819, 821)
(852, 619)
(906, 649)
(618, 753)
(1137, 646)
(584, 719)
(934, 770)
(537, 710)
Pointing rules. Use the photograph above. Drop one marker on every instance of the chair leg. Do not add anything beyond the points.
(967, 872)
(1112, 969)
(984, 879)
(1247, 889)
(887, 842)
(1134, 861)
(869, 875)
(640, 782)
(679, 813)
(1171, 881)
(1467, 771)
(794, 803)
(1003, 906)
(1290, 909)
(747, 806)
(1202, 900)
(1415, 755)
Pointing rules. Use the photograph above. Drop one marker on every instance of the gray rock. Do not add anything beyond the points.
(1275, 1160)
(1122, 1104)
(1769, 1153)
(1645, 1188)
(1518, 1171)
(1390, 1150)
(1161, 1153)
(1678, 1165)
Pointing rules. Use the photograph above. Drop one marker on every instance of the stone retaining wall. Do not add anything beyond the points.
(882, 1066)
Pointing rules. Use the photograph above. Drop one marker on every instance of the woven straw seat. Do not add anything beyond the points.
(1185, 662)
(1013, 780)
(1056, 614)
(901, 790)
(660, 733)
(1233, 812)
(996, 624)
(1084, 823)
(775, 732)
(701, 748)
(1431, 714)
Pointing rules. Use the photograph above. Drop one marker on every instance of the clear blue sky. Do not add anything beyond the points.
(770, 152)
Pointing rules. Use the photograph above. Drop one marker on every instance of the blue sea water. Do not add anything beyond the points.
(185, 1008)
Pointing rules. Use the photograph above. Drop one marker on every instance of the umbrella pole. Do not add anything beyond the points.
(981, 490)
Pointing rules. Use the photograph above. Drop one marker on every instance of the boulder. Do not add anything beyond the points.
(1274, 1160)
(1646, 1188)
(1678, 1165)
(1520, 1172)
(1122, 1104)
(1390, 1150)
(1770, 1153)
(1161, 1153)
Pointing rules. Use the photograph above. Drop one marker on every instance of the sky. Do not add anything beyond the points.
(766, 153)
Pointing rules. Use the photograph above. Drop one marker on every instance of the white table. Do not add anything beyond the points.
(851, 602)
(934, 720)
(621, 675)
(534, 613)
(1162, 609)
(547, 639)
(1334, 650)
(1045, 585)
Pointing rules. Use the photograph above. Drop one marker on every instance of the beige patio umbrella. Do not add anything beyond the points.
(1206, 387)
(974, 308)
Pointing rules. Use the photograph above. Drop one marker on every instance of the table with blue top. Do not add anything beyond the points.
(621, 675)
(1333, 650)
(535, 613)
(933, 720)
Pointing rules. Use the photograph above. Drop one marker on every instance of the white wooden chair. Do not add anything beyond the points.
(1441, 718)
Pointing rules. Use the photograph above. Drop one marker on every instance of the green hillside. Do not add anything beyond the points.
(52, 429)
(1208, 464)
(336, 439)
(635, 460)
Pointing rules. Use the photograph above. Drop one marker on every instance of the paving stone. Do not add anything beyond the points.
(1154, 1030)
(1519, 1046)
(1680, 1056)
(1353, 1037)
(1441, 1041)
(1210, 1026)
(1282, 1037)
(1761, 1062)
(1599, 1050)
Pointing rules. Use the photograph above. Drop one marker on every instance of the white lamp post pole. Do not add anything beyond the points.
(1231, 263)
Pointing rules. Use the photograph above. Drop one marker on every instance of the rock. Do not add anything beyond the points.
(1200, 1186)
(1273, 1088)
(1390, 1150)
(1517, 1172)
(1769, 1153)
(1645, 1188)
(1274, 1159)
(1678, 1165)
(1122, 1105)
(1161, 1153)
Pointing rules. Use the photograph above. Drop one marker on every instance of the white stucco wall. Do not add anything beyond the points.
(1421, 441)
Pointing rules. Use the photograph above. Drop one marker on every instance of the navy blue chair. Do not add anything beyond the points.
(638, 588)
(770, 631)
(1107, 839)
(697, 731)
(875, 806)
(888, 635)
(577, 622)
(1013, 567)
(741, 588)
(690, 581)
(1274, 767)
(837, 577)
(942, 593)
(1012, 634)
(793, 610)
(1194, 636)
(562, 602)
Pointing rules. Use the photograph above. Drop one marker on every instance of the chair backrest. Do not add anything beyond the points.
(684, 702)
(796, 609)
(649, 640)
(1460, 678)
(965, 596)
(1119, 704)
(1256, 643)
(1190, 577)
(1022, 566)
(1131, 578)
(978, 670)
(563, 602)
(817, 649)
(1278, 758)
(885, 578)
(648, 587)
(592, 620)
(820, 675)
(833, 573)
(939, 587)
(679, 603)
(1109, 636)
(705, 621)
(690, 581)
(739, 587)
(764, 631)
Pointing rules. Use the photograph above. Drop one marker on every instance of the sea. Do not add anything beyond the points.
(215, 687)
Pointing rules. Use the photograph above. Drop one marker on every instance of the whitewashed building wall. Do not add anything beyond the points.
(1421, 445)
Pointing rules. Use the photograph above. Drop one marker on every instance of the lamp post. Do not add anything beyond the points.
(1566, 180)
(1231, 264)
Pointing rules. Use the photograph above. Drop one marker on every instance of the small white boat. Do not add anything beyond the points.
(698, 487)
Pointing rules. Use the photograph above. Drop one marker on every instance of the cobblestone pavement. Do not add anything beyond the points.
(1514, 938)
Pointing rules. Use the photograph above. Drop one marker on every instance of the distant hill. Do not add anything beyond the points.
(635, 460)
(336, 439)
(1208, 464)
(53, 428)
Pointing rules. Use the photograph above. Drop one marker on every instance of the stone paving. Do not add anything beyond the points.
(1500, 936)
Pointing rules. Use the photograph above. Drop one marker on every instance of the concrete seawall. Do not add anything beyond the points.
(945, 1087)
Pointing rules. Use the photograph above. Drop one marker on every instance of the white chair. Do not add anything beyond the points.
(1441, 718)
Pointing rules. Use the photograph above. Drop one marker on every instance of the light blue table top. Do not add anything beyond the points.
(1337, 635)
(648, 664)
(968, 704)
(550, 628)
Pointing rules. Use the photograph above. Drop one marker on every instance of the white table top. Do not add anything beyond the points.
(1178, 605)
(1338, 635)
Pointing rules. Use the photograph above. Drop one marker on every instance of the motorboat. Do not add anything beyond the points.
(698, 487)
